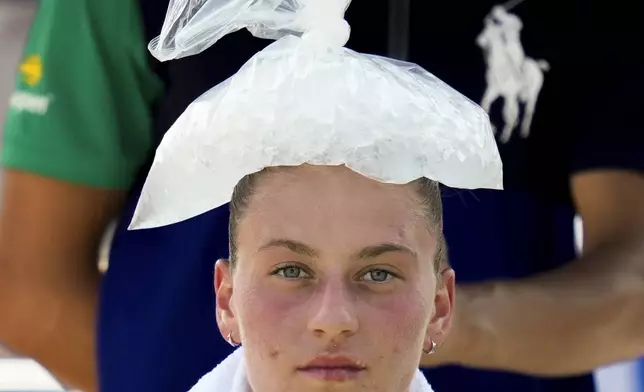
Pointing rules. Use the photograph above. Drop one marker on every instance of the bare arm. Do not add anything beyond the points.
(83, 152)
(574, 319)
(49, 281)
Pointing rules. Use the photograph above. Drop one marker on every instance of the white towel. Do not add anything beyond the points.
(230, 376)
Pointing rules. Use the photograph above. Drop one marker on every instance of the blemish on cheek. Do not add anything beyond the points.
(274, 353)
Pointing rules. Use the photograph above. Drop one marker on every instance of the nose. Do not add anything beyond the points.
(333, 313)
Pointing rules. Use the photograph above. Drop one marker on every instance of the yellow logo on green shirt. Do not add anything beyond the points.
(31, 70)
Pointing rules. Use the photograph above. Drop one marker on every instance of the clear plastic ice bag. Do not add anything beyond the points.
(306, 99)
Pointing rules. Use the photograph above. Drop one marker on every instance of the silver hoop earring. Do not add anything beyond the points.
(431, 350)
(229, 339)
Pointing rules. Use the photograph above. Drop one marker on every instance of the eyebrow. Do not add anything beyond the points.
(293, 246)
(369, 252)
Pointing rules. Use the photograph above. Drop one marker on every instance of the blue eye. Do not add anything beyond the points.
(378, 276)
(291, 272)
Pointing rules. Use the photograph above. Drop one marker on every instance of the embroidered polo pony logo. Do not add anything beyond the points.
(510, 74)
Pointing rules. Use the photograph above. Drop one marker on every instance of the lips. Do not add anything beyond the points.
(333, 368)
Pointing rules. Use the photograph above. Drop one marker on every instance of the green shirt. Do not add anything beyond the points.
(81, 111)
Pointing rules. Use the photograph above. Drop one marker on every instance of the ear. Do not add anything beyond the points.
(444, 299)
(224, 293)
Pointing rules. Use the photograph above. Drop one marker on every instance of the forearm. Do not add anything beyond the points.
(55, 326)
(50, 233)
(571, 320)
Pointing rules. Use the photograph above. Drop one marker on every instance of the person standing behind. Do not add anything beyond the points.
(88, 109)
(76, 134)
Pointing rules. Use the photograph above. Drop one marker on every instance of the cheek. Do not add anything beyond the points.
(269, 320)
(400, 319)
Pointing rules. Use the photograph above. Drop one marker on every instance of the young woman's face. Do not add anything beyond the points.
(334, 287)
